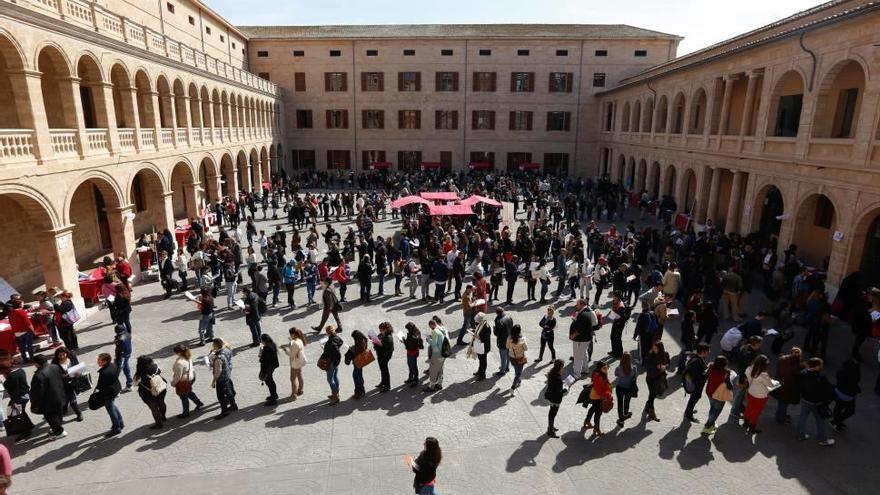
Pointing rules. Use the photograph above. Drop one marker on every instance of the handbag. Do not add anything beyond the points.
(18, 424)
(324, 363)
(446, 348)
(82, 383)
(521, 360)
(607, 404)
(634, 390)
(722, 393)
(157, 385)
(363, 359)
(184, 387)
(96, 401)
(71, 316)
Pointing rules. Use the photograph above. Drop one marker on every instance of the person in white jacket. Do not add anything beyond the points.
(586, 282)
(760, 386)
(181, 264)
(296, 351)
(182, 378)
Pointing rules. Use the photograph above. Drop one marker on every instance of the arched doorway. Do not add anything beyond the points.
(264, 166)
(147, 195)
(31, 262)
(866, 248)
(208, 180)
(91, 93)
(244, 175)
(688, 191)
(655, 180)
(786, 101)
(814, 225)
(840, 98)
(228, 185)
(769, 209)
(13, 95)
(631, 174)
(94, 210)
(256, 172)
(126, 113)
(642, 176)
(55, 83)
(669, 181)
(183, 197)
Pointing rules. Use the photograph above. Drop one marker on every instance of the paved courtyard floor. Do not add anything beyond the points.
(493, 442)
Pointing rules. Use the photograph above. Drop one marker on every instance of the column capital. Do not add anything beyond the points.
(755, 73)
(731, 77)
(123, 209)
(61, 231)
(27, 73)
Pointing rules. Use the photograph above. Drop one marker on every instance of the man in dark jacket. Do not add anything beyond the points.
(440, 274)
(510, 275)
(252, 315)
(503, 325)
(816, 393)
(108, 389)
(47, 394)
(166, 273)
(580, 333)
(695, 374)
(17, 388)
(331, 306)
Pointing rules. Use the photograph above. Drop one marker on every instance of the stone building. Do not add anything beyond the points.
(119, 118)
(774, 131)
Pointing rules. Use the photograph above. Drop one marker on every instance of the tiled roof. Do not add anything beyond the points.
(550, 31)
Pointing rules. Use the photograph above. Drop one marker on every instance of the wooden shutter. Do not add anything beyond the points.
(400, 81)
(299, 81)
(345, 81)
(329, 118)
(493, 84)
(474, 115)
(399, 159)
(567, 120)
(345, 119)
(364, 159)
(418, 81)
(329, 159)
(400, 119)
(364, 119)
(512, 124)
(475, 80)
(531, 88)
(512, 82)
(437, 81)
(569, 81)
(454, 119)
(491, 156)
(437, 115)
(381, 81)
(492, 120)
(418, 119)
(363, 81)
(381, 119)
(326, 81)
(550, 82)
(455, 81)
(529, 121)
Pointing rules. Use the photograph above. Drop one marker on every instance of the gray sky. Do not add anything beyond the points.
(701, 22)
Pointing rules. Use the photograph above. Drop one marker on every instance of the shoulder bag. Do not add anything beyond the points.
(184, 385)
(157, 385)
(18, 422)
(363, 359)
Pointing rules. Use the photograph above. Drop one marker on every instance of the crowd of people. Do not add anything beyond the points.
(553, 244)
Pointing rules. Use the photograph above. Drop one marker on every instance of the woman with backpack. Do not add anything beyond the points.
(438, 350)
(151, 389)
(291, 276)
(358, 356)
(516, 348)
(183, 375)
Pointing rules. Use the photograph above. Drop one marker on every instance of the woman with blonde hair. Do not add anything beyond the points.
(295, 349)
(182, 378)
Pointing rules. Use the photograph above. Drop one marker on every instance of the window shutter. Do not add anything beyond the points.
(569, 81)
(418, 81)
(381, 81)
(437, 115)
(400, 81)
(548, 121)
(567, 120)
(492, 120)
(512, 82)
(345, 81)
(493, 81)
(400, 119)
(474, 119)
(437, 81)
(381, 119)
(454, 115)
(364, 81)
(491, 156)
(512, 125)
(364, 159)
(329, 159)
(329, 118)
(529, 121)
(418, 119)
(327, 82)
(550, 83)
(531, 82)
(299, 81)
(364, 120)
(345, 119)
(455, 81)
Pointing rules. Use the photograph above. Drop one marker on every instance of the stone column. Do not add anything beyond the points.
(189, 120)
(106, 106)
(745, 126)
(191, 199)
(212, 188)
(157, 122)
(136, 115)
(58, 260)
(734, 205)
(712, 209)
(167, 222)
(32, 111)
(172, 105)
(725, 104)
(213, 119)
(78, 114)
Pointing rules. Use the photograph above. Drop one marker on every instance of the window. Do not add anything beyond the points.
(601, 53)
(641, 53)
(262, 53)
(409, 119)
(372, 53)
(373, 119)
(517, 159)
(170, 7)
(561, 82)
(561, 53)
(335, 81)
(304, 119)
(446, 52)
(409, 52)
(338, 159)
(446, 120)
(845, 114)
(483, 157)
(299, 53)
(520, 121)
(263, 75)
(233, 45)
(242, 51)
(372, 81)
(558, 121)
(371, 157)
(484, 81)
(483, 120)
(824, 213)
(337, 119)
(208, 29)
(335, 53)
(222, 39)
(192, 21)
(788, 115)
(446, 160)
(521, 82)
(485, 53)
(409, 161)
(409, 81)
(522, 52)
(303, 159)
(140, 199)
(556, 163)
(299, 81)
(447, 81)
(598, 79)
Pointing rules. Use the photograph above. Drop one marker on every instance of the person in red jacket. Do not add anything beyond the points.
(23, 329)
(600, 391)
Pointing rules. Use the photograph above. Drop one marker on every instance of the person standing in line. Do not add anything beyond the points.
(510, 275)
(440, 275)
(331, 304)
(23, 329)
(205, 304)
(468, 311)
(413, 271)
(252, 315)
(332, 356)
(67, 317)
(719, 389)
(760, 386)
(516, 348)
(121, 306)
(384, 350)
(268, 365)
(357, 372)
(688, 340)
(310, 274)
(151, 389)
(365, 278)
(622, 313)
(295, 350)
(122, 348)
(580, 333)
(503, 327)
(413, 344)
(548, 325)
(291, 276)
(65, 360)
(425, 467)
(788, 368)
(183, 375)
(600, 392)
(166, 273)
(47, 395)
(482, 340)
(695, 374)
(816, 394)
(436, 354)
(181, 263)
(221, 364)
(625, 387)
(16, 388)
(108, 389)
(656, 362)
(230, 276)
(554, 394)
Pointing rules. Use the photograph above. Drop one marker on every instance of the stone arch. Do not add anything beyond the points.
(661, 115)
(839, 100)
(194, 106)
(654, 180)
(94, 206)
(786, 102)
(166, 102)
(208, 179)
(255, 170)
(180, 95)
(619, 169)
(182, 182)
(224, 101)
(687, 191)
(244, 174)
(678, 117)
(636, 119)
(696, 119)
(229, 183)
(216, 109)
(14, 97)
(91, 92)
(56, 86)
(146, 192)
(126, 113)
(768, 210)
(144, 87)
(207, 115)
(648, 117)
(668, 182)
(864, 251)
(624, 119)
(265, 170)
(642, 175)
(630, 174)
(816, 218)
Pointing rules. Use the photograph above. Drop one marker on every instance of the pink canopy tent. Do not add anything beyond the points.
(408, 200)
(450, 210)
(476, 198)
(440, 196)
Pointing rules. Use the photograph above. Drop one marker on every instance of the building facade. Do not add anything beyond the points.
(360, 97)
(773, 132)
(120, 118)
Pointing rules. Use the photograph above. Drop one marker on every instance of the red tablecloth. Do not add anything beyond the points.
(682, 221)
(180, 234)
(7, 338)
(89, 289)
(146, 259)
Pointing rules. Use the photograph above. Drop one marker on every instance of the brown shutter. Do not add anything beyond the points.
(493, 84)
(381, 119)
(548, 121)
(364, 162)
(437, 119)
(491, 156)
(455, 81)
(512, 119)
(418, 81)
(400, 81)
(400, 119)
(570, 82)
(327, 82)
(437, 81)
(550, 82)
(381, 81)
(531, 82)
(299, 81)
(567, 121)
(363, 81)
(473, 119)
(329, 113)
(364, 119)
(455, 118)
(345, 119)
(512, 82)
(492, 120)
(329, 159)
(529, 121)
(418, 119)
(345, 81)
(399, 159)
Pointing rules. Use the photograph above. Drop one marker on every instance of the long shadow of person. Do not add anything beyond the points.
(524, 455)
(579, 450)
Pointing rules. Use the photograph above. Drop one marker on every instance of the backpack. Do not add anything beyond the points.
(687, 379)
(653, 326)
(446, 348)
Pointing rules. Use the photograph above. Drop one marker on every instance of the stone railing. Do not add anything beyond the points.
(167, 136)
(126, 139)
(97, 139)
(147, 138)
(182, 136)
(63, 141)
(16, 144)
